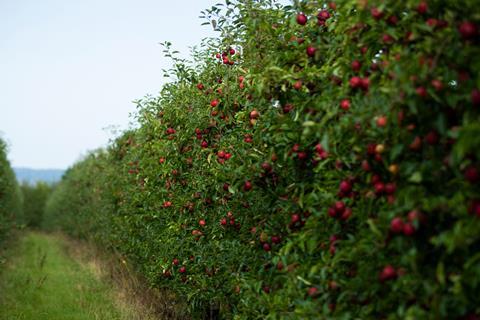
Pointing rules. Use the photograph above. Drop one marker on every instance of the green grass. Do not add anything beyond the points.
(39, 281)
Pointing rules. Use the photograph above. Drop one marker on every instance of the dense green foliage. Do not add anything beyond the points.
(317, 166)
(10, 195)
(34, 201)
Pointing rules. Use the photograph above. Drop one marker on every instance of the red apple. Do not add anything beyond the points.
(396, 225)
(254, 114)
(408, 229)
(311, 51)
(356, 65)
(376, 13)
(388, 273)
(301, 19)
(422, 7)
(345, 104)
(468, 30)
(355, 82)
(381, 121)
(475, 96)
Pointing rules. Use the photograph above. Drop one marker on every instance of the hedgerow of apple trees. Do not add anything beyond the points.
(318, 160)
(10, 195)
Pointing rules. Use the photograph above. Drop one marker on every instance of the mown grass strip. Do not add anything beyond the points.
(40, 281)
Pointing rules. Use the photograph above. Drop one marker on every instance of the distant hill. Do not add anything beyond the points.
(33, 176)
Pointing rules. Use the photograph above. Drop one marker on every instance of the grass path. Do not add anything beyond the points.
(40, 281)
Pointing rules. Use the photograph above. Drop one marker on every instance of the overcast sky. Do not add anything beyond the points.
(70, 69)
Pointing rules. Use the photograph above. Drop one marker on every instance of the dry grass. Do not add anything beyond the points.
(131, 293)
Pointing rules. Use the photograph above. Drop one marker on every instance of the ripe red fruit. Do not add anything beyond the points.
(474, 208)
(416, 144)
(332, 249)
(223, 221)
(287, 108)
(413, 215)
(247, 186)
(366, 166)
(376, 13)
(295, 218)
(323, 15)
(475, 96)
(339, 207)
(267, 247)
(276, 239)
(167, 204)
(365, 83)
(200, 86)
(301, 19)
(228, 155)
(355, 82)
(302, 155)
(311, 51)
(202, 223)
(422, 7)
(390, 188)
(437, 84)
(471, 174)
(379, 188)
(312, 291)
(381, 121)
(432, 137)
(386, 38)
(254, 114)
(333, 239)
(297, 85)
(468, 30)
(346, 214)
(345, 104)
(356, 65)
(232, 51)
(388, 273)
(332, 212)
(204, 144)
(408, 229)
(182, 269)
(267, 167)
(214, 103)
(421, 92)
(221, 154)
(175, 261)
(345, 186)
(396, 225)
(392, 20)
(279, 266)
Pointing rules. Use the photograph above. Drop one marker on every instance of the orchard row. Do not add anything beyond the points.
(315, 161)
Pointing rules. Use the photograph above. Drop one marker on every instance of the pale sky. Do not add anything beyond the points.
(70, 69)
